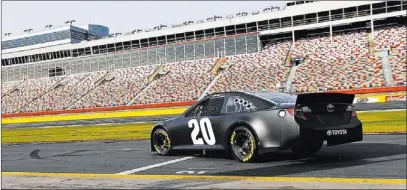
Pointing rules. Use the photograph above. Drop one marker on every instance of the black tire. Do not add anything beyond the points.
(243, 144)
(307, 148)
(162, 142)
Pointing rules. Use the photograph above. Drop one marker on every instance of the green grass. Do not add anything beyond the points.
(383, 122)
(373, 122)
(77, 133)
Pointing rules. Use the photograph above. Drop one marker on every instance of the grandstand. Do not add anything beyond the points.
(308, 46)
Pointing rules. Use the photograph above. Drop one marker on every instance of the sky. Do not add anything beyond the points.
(119, 16)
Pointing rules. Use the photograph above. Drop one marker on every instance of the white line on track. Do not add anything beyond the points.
(154, 166)
(201, 168)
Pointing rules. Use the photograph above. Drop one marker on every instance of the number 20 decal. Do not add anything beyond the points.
(207, 132)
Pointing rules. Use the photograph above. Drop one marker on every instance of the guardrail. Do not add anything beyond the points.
(188, 103)
(116, 108)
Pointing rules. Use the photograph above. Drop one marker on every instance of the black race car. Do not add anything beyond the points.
(248, 124)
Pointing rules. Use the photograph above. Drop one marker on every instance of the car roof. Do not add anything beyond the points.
(222, 94)
(265, 95)
(256, 93)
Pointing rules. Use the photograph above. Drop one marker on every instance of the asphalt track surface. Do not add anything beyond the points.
(377, 156)
(359, 107)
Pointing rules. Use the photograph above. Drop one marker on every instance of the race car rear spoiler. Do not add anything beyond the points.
(314, 98)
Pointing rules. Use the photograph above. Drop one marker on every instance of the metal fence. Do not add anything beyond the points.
(171, 53)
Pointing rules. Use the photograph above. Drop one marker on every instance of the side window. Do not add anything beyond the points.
(213, 106)
(208, 107)
(236, 104)
(197, 110)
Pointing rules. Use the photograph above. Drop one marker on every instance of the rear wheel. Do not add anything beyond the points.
(162, 142)
(243, 144)
(307, 148)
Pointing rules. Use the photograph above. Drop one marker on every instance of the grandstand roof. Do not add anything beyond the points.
(54, 34)
(46, 31)
(34, 33)
(291, 11)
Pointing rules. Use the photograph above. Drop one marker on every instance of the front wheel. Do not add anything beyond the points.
(243, 144)
(162, 142)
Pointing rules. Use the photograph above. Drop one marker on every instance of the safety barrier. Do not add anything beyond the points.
(187, 103)
(116, 108)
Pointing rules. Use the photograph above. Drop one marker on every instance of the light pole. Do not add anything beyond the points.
(136, 31)
(28, 30)
(70, 22)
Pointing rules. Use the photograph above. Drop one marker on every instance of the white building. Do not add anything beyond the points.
(229, 35)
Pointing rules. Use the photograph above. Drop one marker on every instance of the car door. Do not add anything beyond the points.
(206, 127)
(179, 131)
(198, 129)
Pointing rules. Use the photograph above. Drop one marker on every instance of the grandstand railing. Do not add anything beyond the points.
(242, 44)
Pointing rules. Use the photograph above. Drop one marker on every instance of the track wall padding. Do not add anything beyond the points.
(95, 115)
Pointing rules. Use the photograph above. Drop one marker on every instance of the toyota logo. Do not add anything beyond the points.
(329, 132)
(330, 108)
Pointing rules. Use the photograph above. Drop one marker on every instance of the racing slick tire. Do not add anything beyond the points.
(307, 148)
(162, 142)
(243, 145)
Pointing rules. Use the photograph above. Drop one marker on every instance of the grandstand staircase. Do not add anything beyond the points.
(157, 72)
(217, 71)
(151, 80)
(56, 84)
(141, 92)
(288, 56)
(217, 67)
(287, 62)
(52, 87)
(290, 78)
(371, 44)
(106, 77)
(387, 71)
(13, 89)
(206, 91)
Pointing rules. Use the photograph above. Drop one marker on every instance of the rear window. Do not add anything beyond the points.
(279, 98)
(213, 106)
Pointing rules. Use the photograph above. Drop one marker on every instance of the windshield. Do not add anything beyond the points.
(279, 98)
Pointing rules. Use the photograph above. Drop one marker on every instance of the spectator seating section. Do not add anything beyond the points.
(343, 63)
(394, 38)
(256, 71)
(184, 81)
(124, 86)
(391, 36)
(61, 97)
(399, 66)
(25, 93)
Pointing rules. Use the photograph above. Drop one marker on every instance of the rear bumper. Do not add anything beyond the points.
(334, 135)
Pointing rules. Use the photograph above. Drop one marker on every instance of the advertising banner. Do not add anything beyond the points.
(399, 98)
(372, 99)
